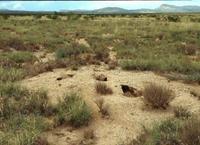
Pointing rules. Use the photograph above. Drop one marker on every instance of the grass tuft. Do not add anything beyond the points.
(102, 88)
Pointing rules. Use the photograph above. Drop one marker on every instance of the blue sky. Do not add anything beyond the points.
(88, 5)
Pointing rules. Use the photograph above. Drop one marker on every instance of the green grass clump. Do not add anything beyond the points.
(8, 89)
(164, 133)
(11, 74)
(22, 130)
(19, 56)
(172, 132)
(73, 110)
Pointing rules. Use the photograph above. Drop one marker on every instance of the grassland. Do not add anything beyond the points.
(168, 44)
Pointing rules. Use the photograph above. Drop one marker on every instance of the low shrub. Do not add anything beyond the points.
(157, 96)
(102, 88)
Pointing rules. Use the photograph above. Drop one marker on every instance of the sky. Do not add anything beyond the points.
(88, 5)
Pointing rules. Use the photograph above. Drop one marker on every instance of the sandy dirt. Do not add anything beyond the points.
(128, 115)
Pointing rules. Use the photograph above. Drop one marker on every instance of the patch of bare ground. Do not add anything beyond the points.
(128, 115)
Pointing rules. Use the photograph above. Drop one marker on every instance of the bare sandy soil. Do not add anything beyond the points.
(128, 115)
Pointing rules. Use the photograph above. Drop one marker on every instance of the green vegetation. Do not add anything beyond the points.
(10, 74)
(174, 132)
(18, 57)
(74, 110)
(157, 42)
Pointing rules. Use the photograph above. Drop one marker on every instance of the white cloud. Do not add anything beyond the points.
(12, 5)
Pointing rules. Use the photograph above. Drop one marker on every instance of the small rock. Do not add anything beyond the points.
(59, 78)
(70, 75)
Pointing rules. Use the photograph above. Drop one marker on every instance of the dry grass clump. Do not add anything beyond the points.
(157, 96)
(103, 108)
(181, 112)
(102, 88)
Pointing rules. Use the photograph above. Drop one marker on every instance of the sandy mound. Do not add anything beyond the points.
(128, 115)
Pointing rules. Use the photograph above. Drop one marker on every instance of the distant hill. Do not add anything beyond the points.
(116, 10)
(162, 9)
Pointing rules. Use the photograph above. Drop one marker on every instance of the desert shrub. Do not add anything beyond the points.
(190, 132)
(181, 112)
(11, 74)
(73, 110)
(71, 50)
(157, 96)
(102, 88)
